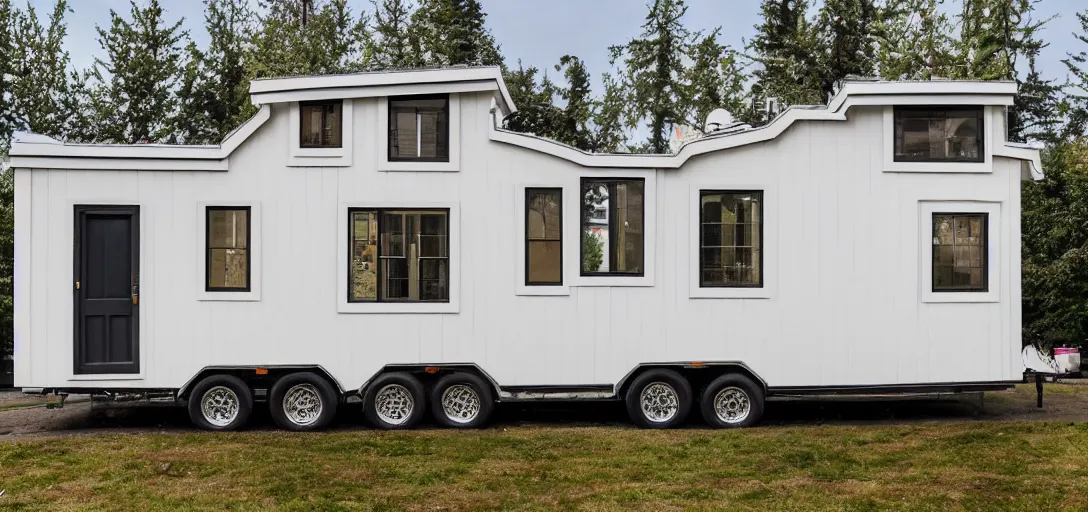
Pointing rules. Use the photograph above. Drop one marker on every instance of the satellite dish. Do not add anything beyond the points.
(718, 120)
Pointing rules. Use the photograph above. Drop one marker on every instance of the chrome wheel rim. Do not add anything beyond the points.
(460, 403)
(659, 401)
(219, 405)
(394, 404)
(302, 404)
(732, 405)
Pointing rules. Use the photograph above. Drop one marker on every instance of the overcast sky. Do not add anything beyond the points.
(539, 32)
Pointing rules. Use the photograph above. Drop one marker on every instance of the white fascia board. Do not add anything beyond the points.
(262, 91)
(373, 92)
(927, 89)
(37, 152)
(1029, 155)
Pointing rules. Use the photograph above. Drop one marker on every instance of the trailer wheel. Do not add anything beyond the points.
(220, 402)
(394, 401)
(732, 401)
(462, 400)
(659, 399)
(303, 401)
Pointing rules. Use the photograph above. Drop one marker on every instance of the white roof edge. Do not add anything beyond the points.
(267, 87)
(39, 151)
(852, 94)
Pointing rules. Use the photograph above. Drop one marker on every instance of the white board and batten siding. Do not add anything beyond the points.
(845, 299)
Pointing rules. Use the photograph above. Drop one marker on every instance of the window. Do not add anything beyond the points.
(321, 124)
(543, 236)
(398, 255)
(419, 128)
(731, 238)
(612, 226)
(227, 260)
(938, 134)
(960, 252)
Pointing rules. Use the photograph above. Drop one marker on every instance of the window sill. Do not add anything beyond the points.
(250, 296)
(939, 167)
(397, 307)
(408, 166)
(617, 281)
(542, 290)
(959, 297)
(729, 293)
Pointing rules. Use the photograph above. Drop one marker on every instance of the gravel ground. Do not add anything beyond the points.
(1062, 402)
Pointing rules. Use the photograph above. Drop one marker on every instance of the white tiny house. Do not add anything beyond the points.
(380, 235)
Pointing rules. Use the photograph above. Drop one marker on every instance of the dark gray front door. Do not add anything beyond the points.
(107, 263)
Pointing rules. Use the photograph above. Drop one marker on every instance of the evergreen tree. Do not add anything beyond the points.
(393, 47)
(610, 118)
(914, 41)
(847, 35)
(786, 48)
(453, 32)
(715, 80)
(573, 124)
(7, 113)
(139, 73)
(1077, 92)
(330, 40)
(536, 113)
(214, 92)
(39, 66)
(82, 107)
(654, 70)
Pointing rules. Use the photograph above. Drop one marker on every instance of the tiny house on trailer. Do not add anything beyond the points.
(380, 236)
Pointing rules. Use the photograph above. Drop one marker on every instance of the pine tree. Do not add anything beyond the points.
(214, 91)
(536, 113)
(847, 34)
(453, 32)
(914, 41)
(573, 125)
(7, 114)
(715, 80)
(139, 74)
(39, 77)
(82, 107)
(610, 118)
(392, 47)
(654, 69)
(330, 41)
(1077, 92)
(786, 48)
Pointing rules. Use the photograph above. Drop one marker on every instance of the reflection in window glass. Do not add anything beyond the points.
(938, 134)
(321, 124)
(228, 249)
(419, 128)
(731, 245)
(959, 252)
(612, 226)
(544, 233)
(399, 255)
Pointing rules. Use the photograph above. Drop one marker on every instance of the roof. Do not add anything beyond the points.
(35, 151)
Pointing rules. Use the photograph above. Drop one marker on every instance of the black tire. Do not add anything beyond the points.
(740, 389)
(303, 388)
(680, 390)
(471, 388)
(226, 389)
(397, 383)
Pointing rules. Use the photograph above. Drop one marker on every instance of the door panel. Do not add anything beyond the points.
(107, 243)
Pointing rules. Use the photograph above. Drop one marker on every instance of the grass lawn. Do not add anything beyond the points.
(932, 466)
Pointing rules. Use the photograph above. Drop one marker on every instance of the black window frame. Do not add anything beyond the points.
(320, 103)
(529, 191)
(208, 248)
(985, 288)
(391, 128)
(378, 251)
(897, 142)
(611, 213)
(711, 192)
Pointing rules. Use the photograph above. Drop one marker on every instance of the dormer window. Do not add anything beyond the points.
(322, 124)
(419, 128)
(939, 134)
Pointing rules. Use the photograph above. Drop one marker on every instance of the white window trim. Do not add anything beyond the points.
(990, 117)
(299, 156)
(254, 293)
(572, 209)
(454, 165)
(520, 288)
(769, 241)
(994, 228)
(342, 304)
